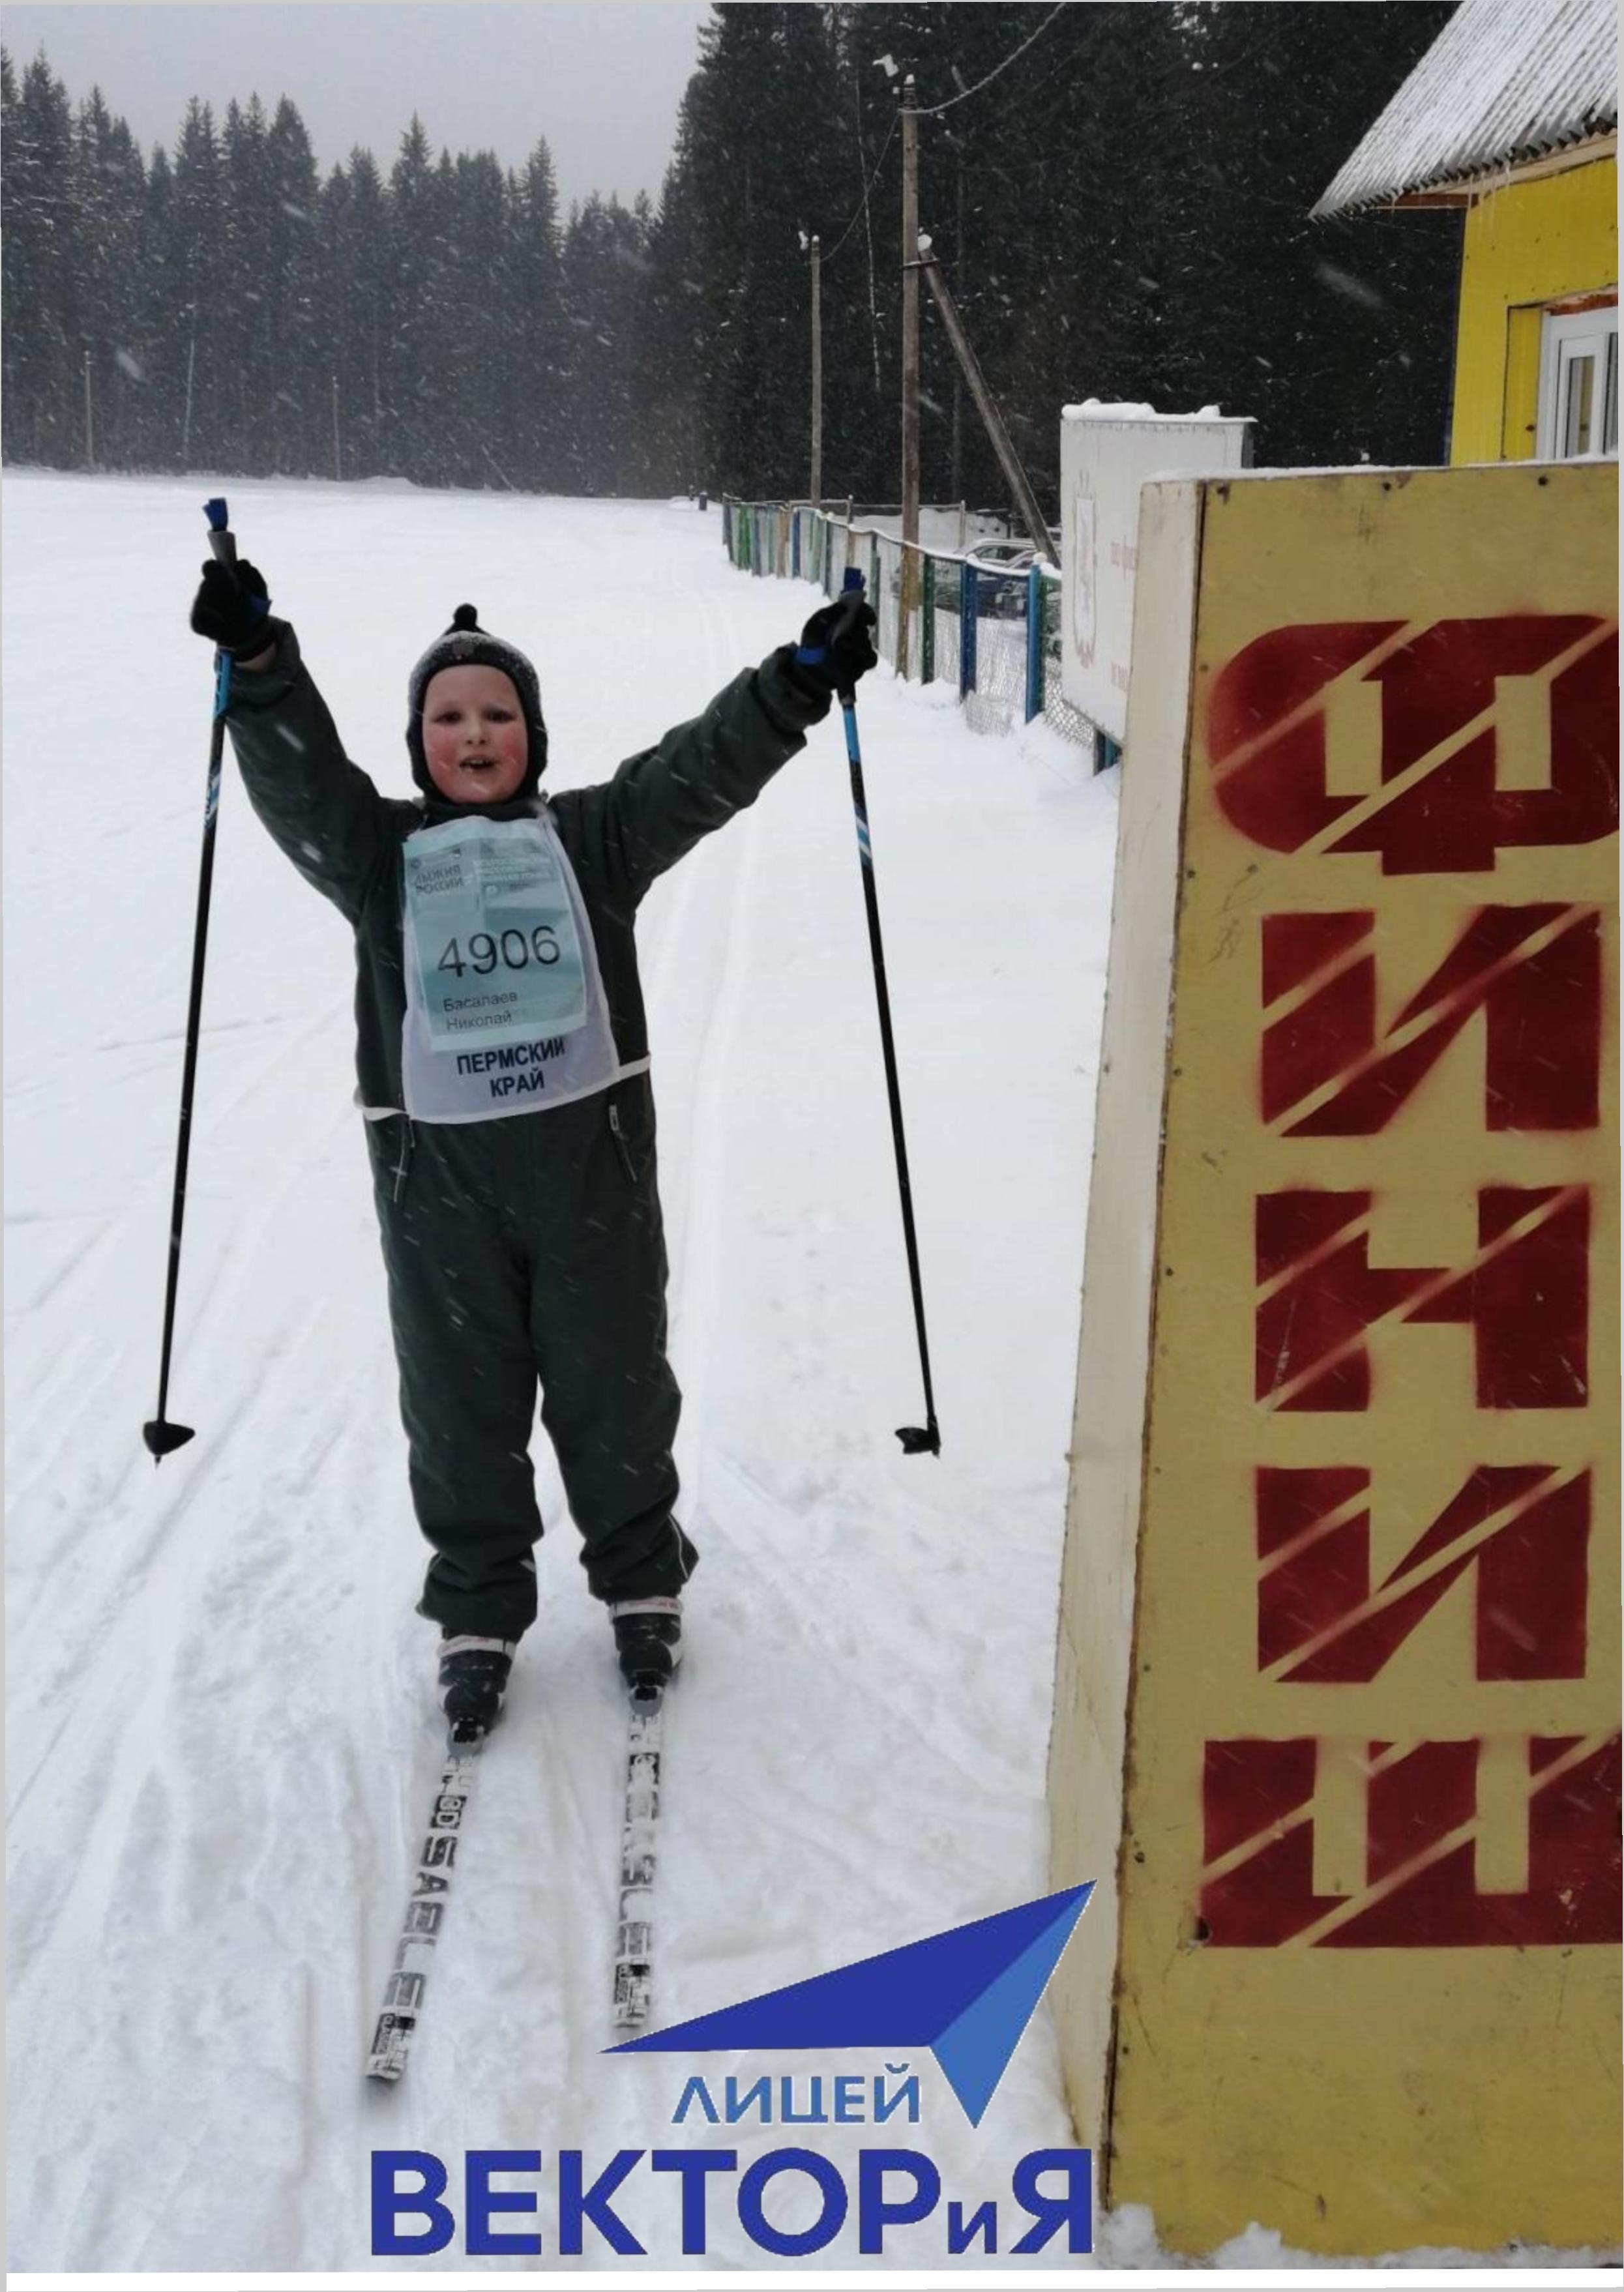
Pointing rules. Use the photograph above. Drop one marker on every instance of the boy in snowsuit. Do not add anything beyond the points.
(503, 1062)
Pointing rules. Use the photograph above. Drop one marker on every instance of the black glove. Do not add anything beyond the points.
(232, 610)
(834, 646)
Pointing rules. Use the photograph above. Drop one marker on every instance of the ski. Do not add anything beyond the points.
(426, 1912)
(639, 1845)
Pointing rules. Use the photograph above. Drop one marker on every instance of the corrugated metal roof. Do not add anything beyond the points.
(1505, 80)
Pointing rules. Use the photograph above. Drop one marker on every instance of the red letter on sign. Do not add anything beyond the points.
(1525, 1297)
(1524, 1529)
(1439, 810)
(1423, 1823)
(1535, 973)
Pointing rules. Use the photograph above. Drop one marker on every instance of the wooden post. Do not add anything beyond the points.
(339, 469)
(90, 420)
(910, 371)
(1009, 461)
(956, 479)
(816, 488)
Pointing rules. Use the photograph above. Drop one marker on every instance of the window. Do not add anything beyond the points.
(1579, 385)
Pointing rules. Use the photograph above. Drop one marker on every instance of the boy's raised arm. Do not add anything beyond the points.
(321, 809)
(660, 803)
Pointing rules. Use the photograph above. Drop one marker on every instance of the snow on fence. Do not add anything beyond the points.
(996, 635)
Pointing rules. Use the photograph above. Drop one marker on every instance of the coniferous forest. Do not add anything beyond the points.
(1122, 212)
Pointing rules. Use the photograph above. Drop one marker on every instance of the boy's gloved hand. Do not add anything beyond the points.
(835, 645)
(232, 609)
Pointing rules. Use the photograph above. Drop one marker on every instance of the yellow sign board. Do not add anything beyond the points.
(1346, 1439)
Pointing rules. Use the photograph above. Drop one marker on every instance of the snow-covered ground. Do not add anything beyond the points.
(220, 1730)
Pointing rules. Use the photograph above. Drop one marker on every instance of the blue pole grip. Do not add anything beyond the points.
(220, 539)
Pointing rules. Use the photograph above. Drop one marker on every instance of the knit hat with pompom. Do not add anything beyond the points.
(466, 644)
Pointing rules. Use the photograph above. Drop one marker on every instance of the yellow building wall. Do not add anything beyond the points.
(1531, 244)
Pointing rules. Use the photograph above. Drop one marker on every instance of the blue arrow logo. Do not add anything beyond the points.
(966, 1995)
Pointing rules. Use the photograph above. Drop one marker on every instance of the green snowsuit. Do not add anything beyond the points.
(527, 1248)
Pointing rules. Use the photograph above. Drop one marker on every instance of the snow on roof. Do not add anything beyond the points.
(1505, 80)
(1094, 409)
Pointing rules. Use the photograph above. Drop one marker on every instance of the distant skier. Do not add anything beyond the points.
(503, 1058)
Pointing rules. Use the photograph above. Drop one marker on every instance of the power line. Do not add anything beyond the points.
(862, 206)
(929, 111)
(1022, 103)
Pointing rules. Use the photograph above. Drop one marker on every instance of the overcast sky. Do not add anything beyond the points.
(601, 79)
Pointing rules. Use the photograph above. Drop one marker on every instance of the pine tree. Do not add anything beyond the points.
(353, 290)
(1339, 333)
(243, 320)
(753, 172)
(669, 338)
(536, 423)
(44, 366)
(197, 265)
(109, 190)
(15, 253)
(296, 359)
(477, 320)
(604, 260)
(410, 348)
(159, 339)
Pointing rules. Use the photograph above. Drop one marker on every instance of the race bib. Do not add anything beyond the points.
(505, 1011)
(492, 932)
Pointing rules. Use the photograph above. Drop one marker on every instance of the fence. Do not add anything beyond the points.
(996, 635)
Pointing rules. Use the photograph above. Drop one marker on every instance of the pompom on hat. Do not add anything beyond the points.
(466, 644)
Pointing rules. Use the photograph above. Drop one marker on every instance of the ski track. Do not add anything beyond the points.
(222, 1735)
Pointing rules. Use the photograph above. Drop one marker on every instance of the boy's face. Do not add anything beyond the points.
(474, 740)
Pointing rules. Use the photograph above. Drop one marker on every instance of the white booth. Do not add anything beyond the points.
(1106, 454)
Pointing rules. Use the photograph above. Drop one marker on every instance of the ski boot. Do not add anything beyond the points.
(649, 1642)
(472, 1681)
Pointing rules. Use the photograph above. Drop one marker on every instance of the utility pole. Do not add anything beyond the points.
(817, 368)
(1009, 461)
(338, 463)
(910, 371)
(955, 485)
(89, 423)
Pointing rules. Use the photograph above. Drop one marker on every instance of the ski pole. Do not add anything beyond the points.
(917, 1439)
(160, 1435)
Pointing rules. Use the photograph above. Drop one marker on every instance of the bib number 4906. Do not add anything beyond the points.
(514, 950)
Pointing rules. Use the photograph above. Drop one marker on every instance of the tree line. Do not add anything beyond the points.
(1119, 194)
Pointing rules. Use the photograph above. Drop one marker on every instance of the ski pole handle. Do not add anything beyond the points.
(852, 600)
(220, 540)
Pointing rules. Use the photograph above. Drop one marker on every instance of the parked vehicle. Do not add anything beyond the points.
(1001, 567)
(1001, 556)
